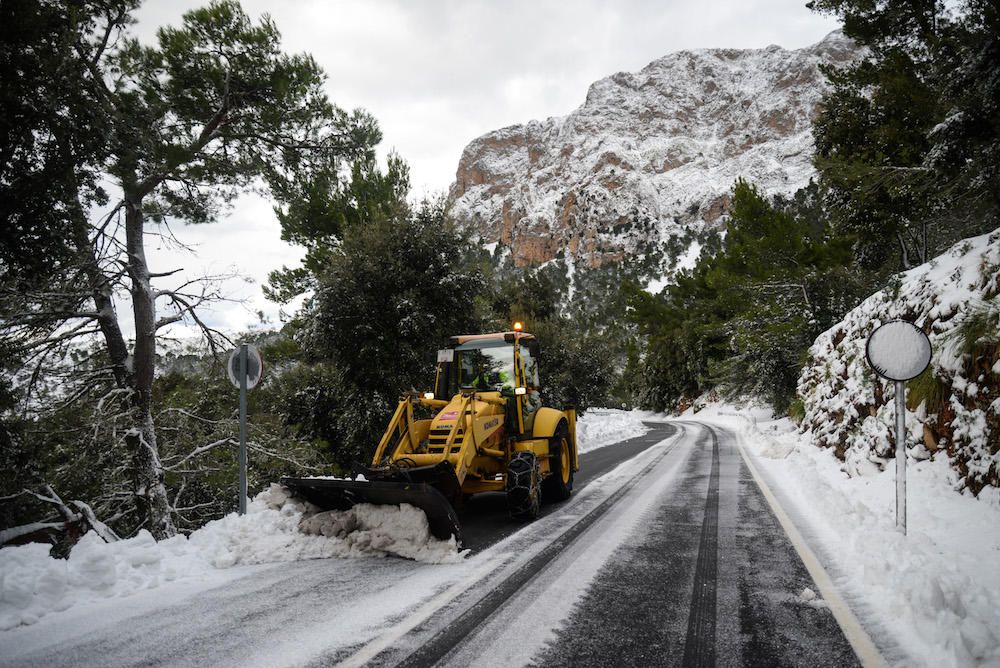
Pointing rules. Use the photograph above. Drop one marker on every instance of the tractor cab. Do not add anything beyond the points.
(505, 363)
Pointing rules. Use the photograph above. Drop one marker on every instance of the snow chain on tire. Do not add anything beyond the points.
(524, 494)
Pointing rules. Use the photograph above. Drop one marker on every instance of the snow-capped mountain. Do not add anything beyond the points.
(648, 155)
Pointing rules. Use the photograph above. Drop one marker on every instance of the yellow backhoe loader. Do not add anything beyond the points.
(489, 433)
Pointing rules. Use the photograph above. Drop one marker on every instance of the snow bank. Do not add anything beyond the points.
(599, 427)
(937, 589)
(276, 528)
(849, 409)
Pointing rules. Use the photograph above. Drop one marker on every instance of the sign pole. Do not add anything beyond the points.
(243, 429)
(899, 351)
(901, 456)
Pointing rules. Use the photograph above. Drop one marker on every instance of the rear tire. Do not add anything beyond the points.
(559, 485)
(524, 490)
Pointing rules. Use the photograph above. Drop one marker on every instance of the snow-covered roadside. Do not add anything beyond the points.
(599, 427)
(275, 529)
(954, 405)
(365, 604)
(32, 584)
(937, 589)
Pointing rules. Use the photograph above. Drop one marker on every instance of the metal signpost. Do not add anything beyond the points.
(899, 351)
(245, 370)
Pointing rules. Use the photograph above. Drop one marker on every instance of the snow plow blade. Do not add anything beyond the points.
(331, 494)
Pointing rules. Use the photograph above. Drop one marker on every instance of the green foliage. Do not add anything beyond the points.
(577, 368)
(980, 326)
(586, 338)
(322, 208)
(908, 139)
(530, 296)
(179, 127)
(392, 293)
(742, 319)
(926, 388)
(52, 132)
(214, 106)
(198, 408)
(797, 410)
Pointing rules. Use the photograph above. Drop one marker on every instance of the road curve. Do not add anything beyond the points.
(675, 559)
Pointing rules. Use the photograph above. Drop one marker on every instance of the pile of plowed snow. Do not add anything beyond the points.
(276, 528)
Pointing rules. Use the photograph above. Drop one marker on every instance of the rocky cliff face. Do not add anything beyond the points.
(648, 155)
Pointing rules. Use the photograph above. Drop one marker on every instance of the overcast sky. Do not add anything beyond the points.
(438, 74)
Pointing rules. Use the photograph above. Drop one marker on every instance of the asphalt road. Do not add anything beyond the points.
(708, 579)
(485, 519)
(280, 611)
(714, 581)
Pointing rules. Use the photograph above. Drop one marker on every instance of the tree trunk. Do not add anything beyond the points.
(102, 291)
(141, 438)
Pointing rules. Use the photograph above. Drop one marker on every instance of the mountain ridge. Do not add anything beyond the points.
(648, 156)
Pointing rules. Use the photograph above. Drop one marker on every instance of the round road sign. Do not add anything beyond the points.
(255, 367)
(898, 350)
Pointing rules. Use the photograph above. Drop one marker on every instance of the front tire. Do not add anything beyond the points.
(524, 493)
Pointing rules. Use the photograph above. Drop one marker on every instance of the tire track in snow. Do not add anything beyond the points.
(639, 608)
(699, 647)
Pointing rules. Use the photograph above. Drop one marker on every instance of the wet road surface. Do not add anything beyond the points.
(706, 578)
(485, 519)
(714, 581)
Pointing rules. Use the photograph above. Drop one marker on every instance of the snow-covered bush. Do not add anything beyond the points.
(955, 406)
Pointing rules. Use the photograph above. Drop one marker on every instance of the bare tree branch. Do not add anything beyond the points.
(200, 450)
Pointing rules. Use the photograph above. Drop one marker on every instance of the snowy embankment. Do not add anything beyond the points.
(936, 590)
(955, 406)
(599, 427)
(276, 528)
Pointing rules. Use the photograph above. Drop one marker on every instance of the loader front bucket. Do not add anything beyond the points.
(332, 494)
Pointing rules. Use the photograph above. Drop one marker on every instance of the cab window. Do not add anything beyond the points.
(485, 365)
(530, 366)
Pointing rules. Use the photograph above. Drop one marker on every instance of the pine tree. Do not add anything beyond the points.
(742, 319)
(908, 139)
(390, 295)
(179, 128)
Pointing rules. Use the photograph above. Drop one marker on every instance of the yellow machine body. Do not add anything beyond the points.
(476, 431)
(482, 433)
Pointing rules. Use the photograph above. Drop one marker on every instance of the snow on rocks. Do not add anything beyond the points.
(849, 409)
(599, 427)
(648, 154)
(935, 590)
(277, 527)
